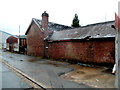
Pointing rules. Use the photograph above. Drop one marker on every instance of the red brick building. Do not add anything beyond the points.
(93, 43)
(37, 32)
(16, 43)
(12, 43)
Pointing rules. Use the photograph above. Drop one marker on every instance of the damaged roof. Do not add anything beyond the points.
(98, 30)
(53, 26)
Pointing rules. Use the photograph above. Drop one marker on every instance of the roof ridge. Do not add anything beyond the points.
(98, 23)
(53, 22)
(95, 31)
(8, 33)
(5, 32)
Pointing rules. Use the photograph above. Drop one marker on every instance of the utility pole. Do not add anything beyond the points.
(19, 39)
(19, 31)
(117, 50)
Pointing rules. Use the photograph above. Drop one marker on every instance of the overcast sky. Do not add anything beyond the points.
(20, 12)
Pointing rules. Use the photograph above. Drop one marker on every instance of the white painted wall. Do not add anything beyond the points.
(3, 37)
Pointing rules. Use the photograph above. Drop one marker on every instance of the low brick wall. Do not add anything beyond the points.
(92, 51)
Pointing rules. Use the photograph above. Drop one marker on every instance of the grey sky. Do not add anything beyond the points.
(20, 12)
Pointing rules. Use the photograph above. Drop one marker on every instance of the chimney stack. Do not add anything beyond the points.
(45, 20)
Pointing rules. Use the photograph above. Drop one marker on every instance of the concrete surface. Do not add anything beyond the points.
(99, 77)
(45, 71)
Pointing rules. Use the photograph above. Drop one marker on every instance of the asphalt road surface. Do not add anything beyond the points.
(46, 72)
(10, 79)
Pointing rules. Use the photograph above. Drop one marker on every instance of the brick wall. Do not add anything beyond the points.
(12, 44)
(95, 51)
(35, 41)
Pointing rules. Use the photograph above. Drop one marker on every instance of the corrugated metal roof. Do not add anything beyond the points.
(22, 36)
(99, 30)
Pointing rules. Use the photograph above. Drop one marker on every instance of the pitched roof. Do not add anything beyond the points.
(7, 33)
(98, 30)
(51, 26)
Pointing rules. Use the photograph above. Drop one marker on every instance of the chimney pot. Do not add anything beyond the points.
(45, 14)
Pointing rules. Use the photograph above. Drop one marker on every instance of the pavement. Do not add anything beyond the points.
(10, 79)
(47, 72)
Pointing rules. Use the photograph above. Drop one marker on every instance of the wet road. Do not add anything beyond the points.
(57, 74)
(46, 72)
(10, 79)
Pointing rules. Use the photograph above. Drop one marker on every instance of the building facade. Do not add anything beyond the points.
(16, 43)
(12, 44)
(3, 37)
(93, 43)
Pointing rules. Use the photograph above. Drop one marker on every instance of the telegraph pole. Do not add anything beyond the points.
(19, 39)
(19, 31)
